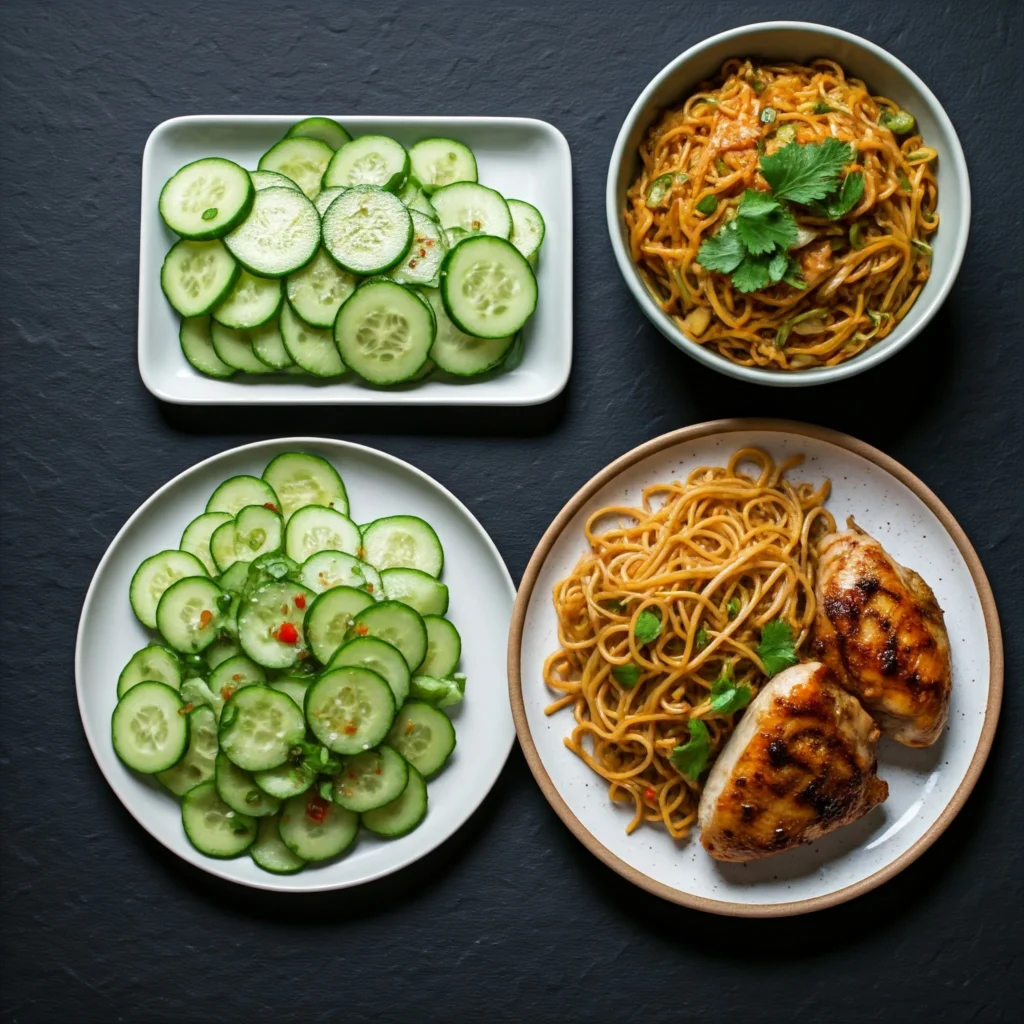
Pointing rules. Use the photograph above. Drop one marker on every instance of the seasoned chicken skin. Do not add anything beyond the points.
(881, 631)
(800, 763)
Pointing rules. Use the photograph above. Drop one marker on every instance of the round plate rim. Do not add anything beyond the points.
(888, 465)
(218, 868)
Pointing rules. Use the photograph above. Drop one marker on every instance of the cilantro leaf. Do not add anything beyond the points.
(726, 696)
(777, 649)
(732, 608)
(648, 627)
(778, 266)
(722, 252)
(701, 640)
(751, 275)
(761, 234)
(626, 675)
(758, 204)
(691, 758)
(844, 199)
(794, 276)
(804, 173)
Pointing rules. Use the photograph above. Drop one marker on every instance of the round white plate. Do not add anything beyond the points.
(926, 787)
(481, 603)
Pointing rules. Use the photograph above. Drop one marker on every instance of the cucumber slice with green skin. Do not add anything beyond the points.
(378, 656)
(197, 766)
(238, 790)
(396, 624)
(329, 618)
(196, 276)
(488, 288)
(159, 664)
(314, 528)
(418, 589)
(474, 208)
(253, 301)
(253, 532)
(299, 479)
(235, 349)
(329, 569)
(438, 693)
(234, 673)
(294, 688)
(369, 160)
(259, 727)
(317, 291)
(212, 827)
(403, 814)
(312, 348)
(286, 781)
(326, 197)
(270, 853)
(415, 198)
(196, 538)
(234, 578)
(195, 692)
(323, 128)
(206, 198)
(370, 780)
(514, 356)
(350, 710)
(367, 230)
(422, 264)
(197, 347)
(440, 162)
(269, 619)
(271, 179)
(154, 576)
(424, 736)
(316, 830)
(444, 647)
(280, 235)
(384, 333)
(149, 728)
(302, 159)
(527, 228)
(403, 542)
(238, 491)
(220, 650)
(268, 346)
(459, 353)
(191, 614)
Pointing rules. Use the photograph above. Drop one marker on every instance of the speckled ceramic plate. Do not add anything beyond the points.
(926, 787)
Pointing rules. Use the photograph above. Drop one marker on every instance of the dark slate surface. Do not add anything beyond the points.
(512, 918)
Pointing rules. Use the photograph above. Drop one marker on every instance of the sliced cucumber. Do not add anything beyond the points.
(234, 348)
(459, 353)
(206, 198)
(304, 160)
(371, 779)
(316, 830)
(195, 692)
(488, 287)
(238, 790)
(422, 264)
(268, 346)
(439, 162)
(259, 727)
(221, 649)
(299, 479)
(378, 656)
(424, 736)
(349, 710)
(197, 347)
(396, 624)
(196, 276)
(238, 491)
(367, 230)
(280, 235)
(197, 766)
(527, 228)
(270, 853)
(474, 208)
(444, 647)
(235, 578)
(154, 576)
(149, 727)
(255, 531)
(384, 332)
(317, 291)
(403, 542)
(314, 528)
(416, 199)
(191, 614)
(369, 160)
(323, 128)
(312, 348)
(437, 692)
(294, 687)
(329, 569)
(286, 781)
(196, 538)
(154, 663)
(403, 814)
(271, 179)
(252, 301)
(418, 589)
(234, 673)
(329, 618)
(270, 624)
(212, 827)
(326, 197)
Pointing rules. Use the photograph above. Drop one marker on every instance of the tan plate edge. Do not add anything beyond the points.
(995, 647)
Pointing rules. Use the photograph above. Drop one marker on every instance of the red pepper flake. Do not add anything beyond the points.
(286, 633)
(423, 252)
(185, 709)
(362, 629)
(376, 771)
(284, 609)
(317, 808)
(206, 618)
(649, 793)
(303, 655)
(272, 507)
(350, 729)
(237, 677)
(412, 264)
(369, 588)
(227, 691)
(430, 241)
(351, 775)
(300, 601)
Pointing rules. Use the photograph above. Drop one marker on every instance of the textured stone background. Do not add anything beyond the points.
(512, 918)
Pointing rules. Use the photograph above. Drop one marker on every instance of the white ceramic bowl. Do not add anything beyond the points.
(884, 75)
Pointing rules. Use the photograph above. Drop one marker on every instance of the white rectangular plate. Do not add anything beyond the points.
(520, 157)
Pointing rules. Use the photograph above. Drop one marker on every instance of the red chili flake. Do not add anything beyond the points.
(272, 507)
(423, 252)
(303, 655)
(226, 692)
(412, 264)
(300, 601)
(184, 709)
(376, 771)
(350, 729)
(430, 241)
(237, 677)
(206, 618)
(317, 808)
(369, 588)
(286, 633)
(351, 775)
(362, 629)
(284, 609)
(649, 793)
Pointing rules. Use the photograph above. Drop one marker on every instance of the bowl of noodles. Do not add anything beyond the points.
(788, 203)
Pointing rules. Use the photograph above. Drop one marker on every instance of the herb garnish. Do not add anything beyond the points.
(647, 628)
(728, 696)
(692, 756)
(777, 649)
(626, 675)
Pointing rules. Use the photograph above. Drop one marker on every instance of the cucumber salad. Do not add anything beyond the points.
(294, 685)
(341, 254)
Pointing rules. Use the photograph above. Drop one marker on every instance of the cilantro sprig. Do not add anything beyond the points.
(691, 757)
(777, 649)
(728, 696)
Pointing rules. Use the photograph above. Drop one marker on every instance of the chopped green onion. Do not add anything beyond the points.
(786, 133)
(659, 193)
(904, 181)
(782, 334)
(768, 115)
(821, 107)
(856, 235)
(684, 292)
(680, 178)
(919, 156)
(709, 100)
(708, 205)
(721, 166)
(758, 86)
(899, 122)
(922, 247)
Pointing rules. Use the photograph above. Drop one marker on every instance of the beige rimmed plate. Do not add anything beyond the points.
(926, 787)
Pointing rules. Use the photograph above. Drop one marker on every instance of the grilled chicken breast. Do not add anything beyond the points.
(880, 630)
(800, 764)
